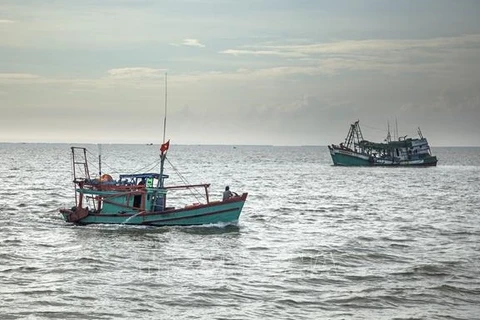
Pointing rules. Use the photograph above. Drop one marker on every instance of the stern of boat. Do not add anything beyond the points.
(75, 214)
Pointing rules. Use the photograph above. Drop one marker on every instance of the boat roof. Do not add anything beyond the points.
(389, 145)
(142, 176)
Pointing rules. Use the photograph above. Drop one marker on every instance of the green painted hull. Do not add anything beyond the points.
(223, 212)
(349, 159)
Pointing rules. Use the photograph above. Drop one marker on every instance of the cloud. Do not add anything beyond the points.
(191, 43)
(436, 56)
(8, 77)
(263, 53)
(385, 56)
(6, 21)
(136, 73)
(357, 46)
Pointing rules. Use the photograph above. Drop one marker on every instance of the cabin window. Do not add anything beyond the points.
(137, 201)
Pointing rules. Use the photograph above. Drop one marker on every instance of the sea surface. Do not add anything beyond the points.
(314, 241)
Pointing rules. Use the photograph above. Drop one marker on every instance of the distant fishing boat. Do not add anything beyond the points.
(142, 198)
(356, 151)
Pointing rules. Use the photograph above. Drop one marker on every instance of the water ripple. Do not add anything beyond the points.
(314, 241)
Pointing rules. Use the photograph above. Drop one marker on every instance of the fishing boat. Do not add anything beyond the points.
(356, 151)
(143, 198)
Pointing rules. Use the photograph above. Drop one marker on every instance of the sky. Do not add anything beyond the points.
(275, 72)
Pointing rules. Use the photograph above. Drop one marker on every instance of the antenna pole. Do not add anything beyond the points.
(396, 130)
(99, 161)
(163, 155)
(389, 137)
(165, 113)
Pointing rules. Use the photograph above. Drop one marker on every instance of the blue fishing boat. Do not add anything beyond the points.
(141, 199)
(356, 151)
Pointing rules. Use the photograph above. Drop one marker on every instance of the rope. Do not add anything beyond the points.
(193, 191)
(151, 167)
(384, 130)
(373, 128)
(93, 164)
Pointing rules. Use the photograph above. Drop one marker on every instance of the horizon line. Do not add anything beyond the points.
(204, 144)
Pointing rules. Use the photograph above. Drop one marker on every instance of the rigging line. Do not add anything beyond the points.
(112, 170)
(182, 178)
(151, 166)
(93, 164)
(373, 128)
(410, 133)
(193, 191)
(104, 164)
(154, 166)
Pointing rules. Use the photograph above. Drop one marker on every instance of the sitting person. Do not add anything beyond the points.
(227, 194)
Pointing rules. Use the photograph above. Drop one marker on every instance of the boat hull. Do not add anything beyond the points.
(349, 158)
(212, 213)
(341, 157)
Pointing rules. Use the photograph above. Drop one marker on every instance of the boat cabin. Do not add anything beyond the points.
(129, 194)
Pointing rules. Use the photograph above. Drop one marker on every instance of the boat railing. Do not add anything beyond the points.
(205, 186)
(189, 186)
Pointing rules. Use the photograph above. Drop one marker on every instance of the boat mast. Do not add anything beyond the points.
(420, 133)
(389, 137)
(396, 130)
(165, 113)
(163, 155)
(359, 132)
(99, 161)
(354, 135)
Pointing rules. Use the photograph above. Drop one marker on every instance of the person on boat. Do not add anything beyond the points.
(227, 194)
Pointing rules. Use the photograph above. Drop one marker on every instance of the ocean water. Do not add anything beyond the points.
(314, 241)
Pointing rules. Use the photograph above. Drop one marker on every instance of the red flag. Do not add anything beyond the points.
(164, 146)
